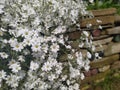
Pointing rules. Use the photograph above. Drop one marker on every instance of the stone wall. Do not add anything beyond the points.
(107, 43)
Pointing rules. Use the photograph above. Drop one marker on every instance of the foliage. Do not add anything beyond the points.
(31, 42)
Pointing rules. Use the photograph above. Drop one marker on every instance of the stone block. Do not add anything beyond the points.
(87, 73)
(101, 48)
(94, 71)
(117, 18)
(103, 41)
(113, 48)
(105, 20)
(116, 65)
(104, 61)
(115, 30)
(101, 37)
(98, 88)
(74, 35)
(102, 12)
(95, 77)
(99, 80)
(96, 33)
(104, 68)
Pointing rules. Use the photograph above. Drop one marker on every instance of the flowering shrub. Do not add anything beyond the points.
(32, 40)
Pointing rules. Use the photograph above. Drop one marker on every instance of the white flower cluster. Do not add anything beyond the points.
(31, 40)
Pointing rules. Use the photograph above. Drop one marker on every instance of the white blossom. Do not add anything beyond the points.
(54, 47)
(59, 29)
(2, 74)
(91, 1)
(15, 66)
(13, 80)
(89, 55)
(74, 72)
(47, 66)
(70, 56)
(86, 33)
(1, 7)
(34, 65)
(52, 77)
(82, 76)
(63, 88)
(76, 86)
(32, 40)
(36, 47)
(4, 55)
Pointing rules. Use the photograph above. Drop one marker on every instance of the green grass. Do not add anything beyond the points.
(111, 81)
